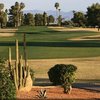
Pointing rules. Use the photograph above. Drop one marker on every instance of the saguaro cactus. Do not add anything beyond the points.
(18, 70)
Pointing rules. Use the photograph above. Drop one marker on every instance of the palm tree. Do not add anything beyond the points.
(57, 6)
(59, 11)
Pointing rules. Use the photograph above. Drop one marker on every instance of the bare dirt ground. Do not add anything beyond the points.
(7, 32)
(57, 93)
(41, 66)
(80, 91)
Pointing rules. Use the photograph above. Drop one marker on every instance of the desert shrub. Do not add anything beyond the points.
(7, 87)
(62, 74)
(32, 75)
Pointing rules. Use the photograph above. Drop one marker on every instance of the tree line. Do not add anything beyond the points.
(15, 17)
(89, 19)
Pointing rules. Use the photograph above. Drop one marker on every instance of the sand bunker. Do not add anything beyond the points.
(7, 32)
(94, 37)
(91, 37)
(74, 29)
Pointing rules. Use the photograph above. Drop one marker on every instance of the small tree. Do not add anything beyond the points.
(64, 75)
(7, 87)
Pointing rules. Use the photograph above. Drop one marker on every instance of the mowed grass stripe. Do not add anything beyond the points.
(52, 52)
(43, 42)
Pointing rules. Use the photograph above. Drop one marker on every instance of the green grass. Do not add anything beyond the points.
(61, 52)
(53, 52)
(44, 34)
(44, 43)
(47, 43)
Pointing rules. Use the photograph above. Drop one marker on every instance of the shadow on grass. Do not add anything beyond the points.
(89, 43)
(42, 82)
(88, 86)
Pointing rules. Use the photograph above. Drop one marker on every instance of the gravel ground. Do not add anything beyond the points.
(57, 93)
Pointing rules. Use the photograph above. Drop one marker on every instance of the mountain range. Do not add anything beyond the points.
(65, 15)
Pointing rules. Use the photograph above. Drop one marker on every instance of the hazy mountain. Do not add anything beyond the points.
(66, 15)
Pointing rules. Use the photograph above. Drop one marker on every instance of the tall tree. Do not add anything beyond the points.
(38, 20)
(44, 18)
(79, 19)
(29, 19)
(16, 13)
(1, 6)
(93, 15)
(1, 14)
(51, 19)
(56, 6)
(60, 20)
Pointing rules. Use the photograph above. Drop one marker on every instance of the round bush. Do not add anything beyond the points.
(7, 87)
(61, 74)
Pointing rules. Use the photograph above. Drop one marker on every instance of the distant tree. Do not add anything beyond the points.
(16, 13)
(1, 13)
(51, 19)
(56, 6)
(79, 19)
(45, 18)
(4, 19)
(60, 20)
(29, 19)
(68, 23)
(3, 16)
(1, 6)
(93, 15)
(38, 20)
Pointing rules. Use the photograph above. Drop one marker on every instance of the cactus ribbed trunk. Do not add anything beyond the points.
(9, 55)
(25, 56)
(20, 72)
(20, 67)
(17, 53)
(16, 62)
(9, 58)
(15, 80)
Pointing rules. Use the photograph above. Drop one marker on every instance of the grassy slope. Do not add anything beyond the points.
(42, 43)
(47, 43)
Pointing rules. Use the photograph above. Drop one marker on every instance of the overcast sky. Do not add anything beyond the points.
(65, 5)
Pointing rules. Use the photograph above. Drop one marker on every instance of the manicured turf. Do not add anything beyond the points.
(47, 43)
(43, 42)
(44, 34)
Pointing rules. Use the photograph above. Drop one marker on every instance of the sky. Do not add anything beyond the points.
(65, 5)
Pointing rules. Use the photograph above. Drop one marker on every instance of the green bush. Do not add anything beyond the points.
(62, 74)
(7, 87)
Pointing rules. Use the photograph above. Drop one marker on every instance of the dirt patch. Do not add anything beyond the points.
(41, 66)
(74, 29)
(57, 93)
(7, 32)
(94, 37)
